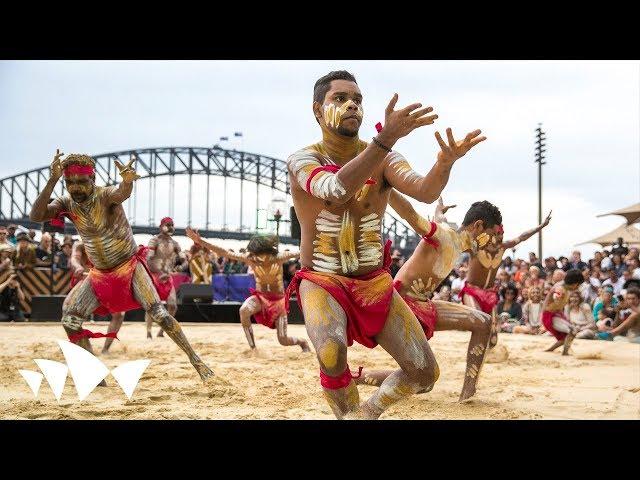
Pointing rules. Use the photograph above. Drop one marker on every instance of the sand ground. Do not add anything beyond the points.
(601, 380)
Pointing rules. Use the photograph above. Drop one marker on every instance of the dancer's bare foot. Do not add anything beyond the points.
(160, 333)
(103, 383)
(305, 346)
(149, 335)
(554, 346)
(204, 371)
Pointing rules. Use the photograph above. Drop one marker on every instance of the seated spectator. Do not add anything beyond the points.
(524, 296)
(396, 262)
(24, 257)
(629, 329)
(11, 295)
(503, 278)
(4, 242)
(550, 266)
(596, 260)
(604, 310)
(580, 316)
(62, 258)
(44, 251)
(575, 262)
(523, 271)
(11, 235)
(629, 281)
(458, 283)
(634, 267)
(531, 314)
(618, 265)
(199, 266)
(509, 310)
(589, 288)
(509, 266)
(6, 263)
(557, 276)
(606, 262)
(615, 282)
(533, 280)
(533, 260)
(219, 265)
(564, 263)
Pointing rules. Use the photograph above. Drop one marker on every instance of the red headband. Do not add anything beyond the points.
(499, 229)
(166, 220)
(78, 170)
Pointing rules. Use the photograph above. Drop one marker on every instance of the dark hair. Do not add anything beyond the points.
(573, 277)
(323, 84)
(633, 291)
(485, 211)
(510, 288)
(263, 244)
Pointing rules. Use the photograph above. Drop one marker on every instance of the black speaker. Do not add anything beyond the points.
(295, 224)
(195, 293)
(46, 308)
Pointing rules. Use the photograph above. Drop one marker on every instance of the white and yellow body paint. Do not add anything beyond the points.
(333, 114)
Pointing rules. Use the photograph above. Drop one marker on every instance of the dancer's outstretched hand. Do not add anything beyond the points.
(56, 165)
(456, 149)
(128, 173)
(399, 123)
(547, 220)
(441, 209)
(193, 235)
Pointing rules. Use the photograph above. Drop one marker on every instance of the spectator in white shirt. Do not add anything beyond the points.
(458, 283)
(616, 282)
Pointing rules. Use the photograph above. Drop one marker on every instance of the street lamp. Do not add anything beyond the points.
(540, 139)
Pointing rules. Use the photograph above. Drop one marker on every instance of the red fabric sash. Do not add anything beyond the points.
(89, 334)
(330, 169)
(341, 381)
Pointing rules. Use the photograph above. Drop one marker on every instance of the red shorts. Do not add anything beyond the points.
(424, 311)
(547, 321)
(487, 299)
(366, 299)
(272, 307)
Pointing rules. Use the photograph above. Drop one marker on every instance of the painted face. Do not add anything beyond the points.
(80, 187)
(342, 108)
(168, 228)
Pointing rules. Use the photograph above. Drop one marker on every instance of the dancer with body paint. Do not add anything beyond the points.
(119, 279)
(163, 258)
(553, 317)
(479, 290)
(340, 188)
(266, 303)
(430, 263)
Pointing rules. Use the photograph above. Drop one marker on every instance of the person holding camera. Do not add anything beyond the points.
(11, 295)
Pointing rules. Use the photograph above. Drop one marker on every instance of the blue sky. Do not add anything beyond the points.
(590, 111)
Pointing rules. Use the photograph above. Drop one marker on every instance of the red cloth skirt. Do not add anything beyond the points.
(547, 321)
(486, 298)
(113, 288)
(366, 299)
(272, 307)
(424, 311)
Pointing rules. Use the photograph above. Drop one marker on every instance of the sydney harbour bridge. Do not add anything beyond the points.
(189, 184)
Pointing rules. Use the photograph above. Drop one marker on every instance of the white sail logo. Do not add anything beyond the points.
(86, 370)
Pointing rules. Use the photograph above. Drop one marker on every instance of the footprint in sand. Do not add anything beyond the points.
(590, 356)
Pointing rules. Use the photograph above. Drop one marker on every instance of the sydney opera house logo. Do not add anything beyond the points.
(86, 370)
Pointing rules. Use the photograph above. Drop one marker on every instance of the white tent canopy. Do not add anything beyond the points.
(628, 233)
(631, 213)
